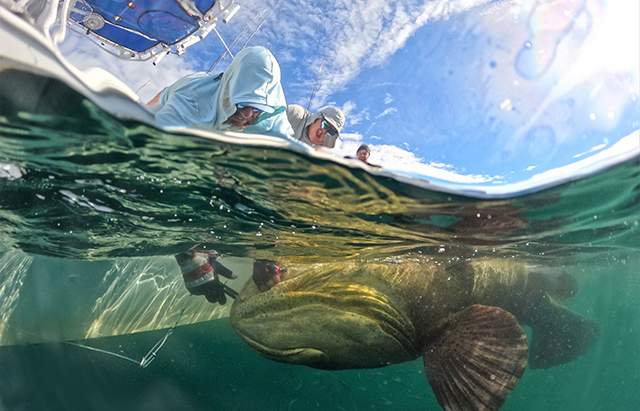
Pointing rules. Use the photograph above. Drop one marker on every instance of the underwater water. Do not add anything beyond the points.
(93, 208)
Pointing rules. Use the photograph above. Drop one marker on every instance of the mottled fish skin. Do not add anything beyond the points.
(464, 318)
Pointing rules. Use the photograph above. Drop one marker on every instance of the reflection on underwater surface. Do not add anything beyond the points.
(82, 184)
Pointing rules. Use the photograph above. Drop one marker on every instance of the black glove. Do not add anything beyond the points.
(214, 292)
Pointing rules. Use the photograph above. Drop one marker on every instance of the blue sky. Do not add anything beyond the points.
(470, 91)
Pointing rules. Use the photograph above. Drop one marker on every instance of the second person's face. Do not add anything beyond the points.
(316, 133)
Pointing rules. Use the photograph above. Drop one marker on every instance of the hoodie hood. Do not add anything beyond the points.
(252, 79)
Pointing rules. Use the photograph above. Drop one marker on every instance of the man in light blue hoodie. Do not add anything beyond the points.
(246, 98)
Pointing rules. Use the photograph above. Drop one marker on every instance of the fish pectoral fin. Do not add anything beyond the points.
(475, 359)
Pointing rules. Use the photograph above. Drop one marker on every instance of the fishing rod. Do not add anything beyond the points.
(213, 66)
(263, 21)
(316, 84)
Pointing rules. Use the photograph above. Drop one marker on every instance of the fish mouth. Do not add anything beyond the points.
(301, 355)
(324, 324)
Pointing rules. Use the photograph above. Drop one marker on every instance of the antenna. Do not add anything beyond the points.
(315, 85)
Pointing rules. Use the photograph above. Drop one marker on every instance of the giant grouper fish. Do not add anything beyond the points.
(465, 320)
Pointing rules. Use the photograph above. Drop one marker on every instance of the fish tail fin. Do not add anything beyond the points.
(559, 334)
(475, 359)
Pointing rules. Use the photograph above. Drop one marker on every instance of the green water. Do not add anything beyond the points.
(94, 208)
(205, 366)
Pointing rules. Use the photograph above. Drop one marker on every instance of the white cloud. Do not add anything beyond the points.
(393, 158)
(396, 159)
(372, 31)
(353, 116)
(142, 77)
(348, 107)
(387, 112)
(388, 99)
(347, 144)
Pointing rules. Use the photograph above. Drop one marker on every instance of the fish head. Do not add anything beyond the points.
(324, 320)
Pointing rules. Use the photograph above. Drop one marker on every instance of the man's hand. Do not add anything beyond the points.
(213, 291)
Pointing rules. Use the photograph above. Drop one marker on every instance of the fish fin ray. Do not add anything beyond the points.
(476, 359)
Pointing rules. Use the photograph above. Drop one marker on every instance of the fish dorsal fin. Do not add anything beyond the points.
(476, 358)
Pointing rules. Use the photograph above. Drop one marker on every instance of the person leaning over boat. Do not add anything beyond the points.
(320, 129)
(363, 154)
(246, 98)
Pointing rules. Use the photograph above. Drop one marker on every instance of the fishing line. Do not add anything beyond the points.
(213, 66)
(263, 21)
(140, 88)
(102, 351)
(151, 355)
(146, 360)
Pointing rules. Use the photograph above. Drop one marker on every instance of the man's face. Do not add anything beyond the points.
(244, 116)
(316, 133)
(363, 155)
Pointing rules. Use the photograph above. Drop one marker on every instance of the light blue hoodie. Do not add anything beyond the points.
(205, 100)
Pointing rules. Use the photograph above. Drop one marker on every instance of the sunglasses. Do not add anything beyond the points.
(241, 107)
(330, 130)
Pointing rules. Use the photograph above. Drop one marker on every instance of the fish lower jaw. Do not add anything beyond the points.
(301, 355)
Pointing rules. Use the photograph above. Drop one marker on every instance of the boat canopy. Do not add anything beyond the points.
(145, 29)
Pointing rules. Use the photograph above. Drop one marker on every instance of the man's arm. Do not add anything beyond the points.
(296, 115)
(154, 100)
(178, 111)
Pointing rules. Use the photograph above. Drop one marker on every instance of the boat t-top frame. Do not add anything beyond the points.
(140, 30)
